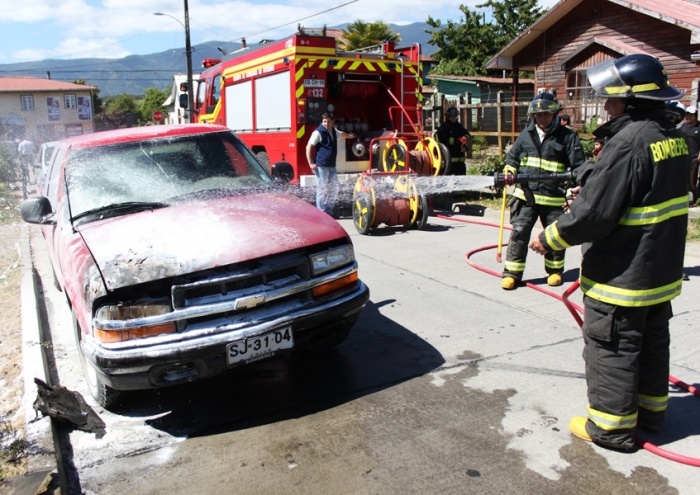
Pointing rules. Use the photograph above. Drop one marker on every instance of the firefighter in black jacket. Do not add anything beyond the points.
(542, 147)
(632, 216)
(456, 137)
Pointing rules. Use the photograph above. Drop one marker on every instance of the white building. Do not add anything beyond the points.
(175, 114)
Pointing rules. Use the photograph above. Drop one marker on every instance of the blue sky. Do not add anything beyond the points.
(33, 30)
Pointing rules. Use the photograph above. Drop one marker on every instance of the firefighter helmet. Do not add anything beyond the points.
(452, 112)
(675, 111)
(544, 102)
(632, 76)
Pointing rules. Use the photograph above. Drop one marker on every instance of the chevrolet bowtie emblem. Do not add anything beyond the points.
(249, 302)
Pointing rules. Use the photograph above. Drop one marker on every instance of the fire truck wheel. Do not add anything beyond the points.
(395, 159)
(423, 212)
(446, 159)
(264, 159)
(363, 210)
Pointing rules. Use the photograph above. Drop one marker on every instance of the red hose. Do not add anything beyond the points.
(576, 312)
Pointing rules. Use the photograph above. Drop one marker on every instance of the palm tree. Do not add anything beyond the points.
(361, 34)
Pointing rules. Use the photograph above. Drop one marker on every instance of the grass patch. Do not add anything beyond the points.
(13, 451)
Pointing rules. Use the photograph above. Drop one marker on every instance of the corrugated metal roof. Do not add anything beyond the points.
(678, 12)
(26, 84)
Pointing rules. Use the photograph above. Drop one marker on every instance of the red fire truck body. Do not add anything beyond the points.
(273, 97)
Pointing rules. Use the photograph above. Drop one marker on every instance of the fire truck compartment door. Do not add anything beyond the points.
(273, 104)
(239, 106)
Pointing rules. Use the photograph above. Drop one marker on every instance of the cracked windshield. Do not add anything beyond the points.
(159, 172)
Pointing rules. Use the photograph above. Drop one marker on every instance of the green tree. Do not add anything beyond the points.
(464, 47)
(361, 34)
(119, 111)
(511, 17)
(153, 99)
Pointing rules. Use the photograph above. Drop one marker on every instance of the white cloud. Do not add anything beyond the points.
(36, 29)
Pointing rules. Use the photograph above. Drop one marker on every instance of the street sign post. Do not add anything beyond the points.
(157, 115)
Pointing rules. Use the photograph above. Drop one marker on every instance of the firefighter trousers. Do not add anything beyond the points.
(523, 218)
(626, 351)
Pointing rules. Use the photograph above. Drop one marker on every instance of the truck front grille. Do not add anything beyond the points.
(229, 284)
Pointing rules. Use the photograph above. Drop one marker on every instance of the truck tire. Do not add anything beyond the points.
(264, 159)
(446, 160)
(104, 395)
(423, 212)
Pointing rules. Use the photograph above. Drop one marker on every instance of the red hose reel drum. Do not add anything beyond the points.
(390, 199)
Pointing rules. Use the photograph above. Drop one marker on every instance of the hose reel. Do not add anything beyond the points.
(390, 199)
(428, 158)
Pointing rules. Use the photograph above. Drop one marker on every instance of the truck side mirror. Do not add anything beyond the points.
(36, 210)
(183, 100)
(282, 172)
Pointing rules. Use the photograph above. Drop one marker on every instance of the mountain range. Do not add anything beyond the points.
(132, 75)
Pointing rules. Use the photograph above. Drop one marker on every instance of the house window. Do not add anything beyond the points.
(27, 103)
(579, 89)
(69, 101)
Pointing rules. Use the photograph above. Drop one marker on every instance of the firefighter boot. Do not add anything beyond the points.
(554, 280)
(508, 283)
(577, 426)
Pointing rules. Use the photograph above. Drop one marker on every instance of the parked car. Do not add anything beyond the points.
(181, 258)
(45, 152)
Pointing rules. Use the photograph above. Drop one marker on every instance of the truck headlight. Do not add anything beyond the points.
(122, 322)
(332, 259)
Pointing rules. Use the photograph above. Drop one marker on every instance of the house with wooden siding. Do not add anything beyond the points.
(44, 109)
(576, 34)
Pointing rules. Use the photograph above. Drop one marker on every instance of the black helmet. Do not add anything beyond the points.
(452, 112)
(675, 111)
(632, 76)
(544, 102)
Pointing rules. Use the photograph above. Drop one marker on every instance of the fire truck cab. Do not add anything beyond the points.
(273, 97)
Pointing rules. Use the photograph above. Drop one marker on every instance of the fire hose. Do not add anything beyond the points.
(576, 312)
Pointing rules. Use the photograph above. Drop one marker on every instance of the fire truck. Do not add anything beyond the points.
(273, 97)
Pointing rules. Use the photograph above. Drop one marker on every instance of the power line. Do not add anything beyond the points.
(117, 61)
(295, 21)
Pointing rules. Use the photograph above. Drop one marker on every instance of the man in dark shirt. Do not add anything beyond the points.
(691, 129)
(456, 137)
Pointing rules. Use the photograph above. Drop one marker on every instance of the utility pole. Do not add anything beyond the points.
(188, 53)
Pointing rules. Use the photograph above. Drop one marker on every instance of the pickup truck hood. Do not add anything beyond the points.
(189, 237)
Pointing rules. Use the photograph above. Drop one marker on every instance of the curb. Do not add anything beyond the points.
(38, 433)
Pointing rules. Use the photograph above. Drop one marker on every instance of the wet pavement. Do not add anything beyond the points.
(448, 384)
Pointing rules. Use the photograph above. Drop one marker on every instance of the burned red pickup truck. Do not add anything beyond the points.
(181, 257)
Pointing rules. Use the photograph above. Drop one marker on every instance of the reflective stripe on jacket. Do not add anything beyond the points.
(632, 213)
(559, 151)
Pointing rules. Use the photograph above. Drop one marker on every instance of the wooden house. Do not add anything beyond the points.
(574, 35)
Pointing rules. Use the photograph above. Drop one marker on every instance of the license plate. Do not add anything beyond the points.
(260, 346)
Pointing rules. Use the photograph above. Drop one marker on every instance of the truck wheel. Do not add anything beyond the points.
(363, 212)
(104, 395)
(55, 280)
(264, 159)
(446, 159)
(423, 212)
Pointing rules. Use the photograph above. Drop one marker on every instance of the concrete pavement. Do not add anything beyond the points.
(523, 341)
